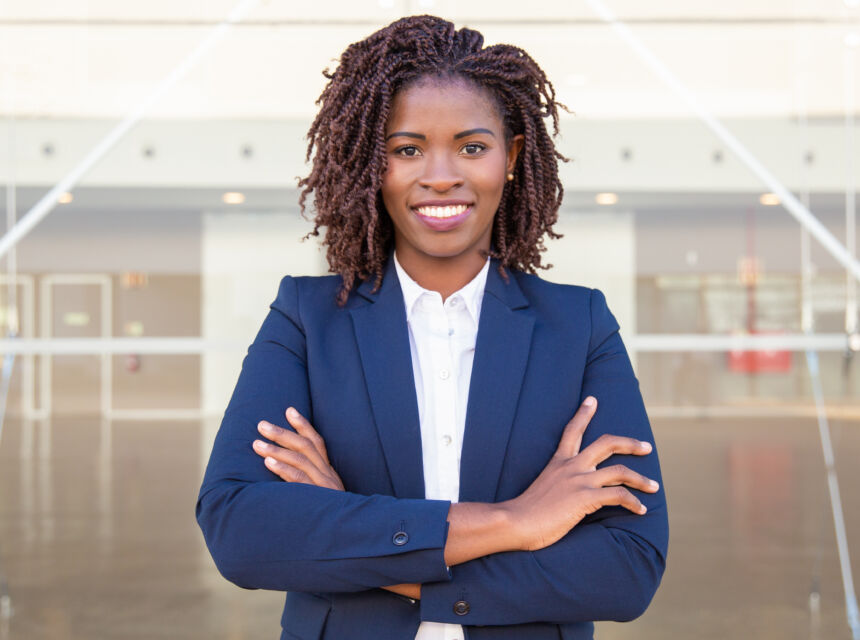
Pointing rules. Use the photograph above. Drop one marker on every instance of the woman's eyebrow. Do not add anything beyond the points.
(407, 134)
(470, 132)
(457, 136)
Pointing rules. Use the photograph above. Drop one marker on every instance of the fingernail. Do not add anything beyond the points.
(654, 484)
(271, 462)
(588, 402)
(265, 427)
(259, 444)
(645, 446)
(292, 413)
(642, 508)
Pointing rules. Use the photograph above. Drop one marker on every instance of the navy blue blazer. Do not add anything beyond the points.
(541, 349)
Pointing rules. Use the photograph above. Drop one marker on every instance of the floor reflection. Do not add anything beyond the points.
(98, 539)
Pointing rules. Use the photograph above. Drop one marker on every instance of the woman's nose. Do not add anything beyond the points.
(440, 174)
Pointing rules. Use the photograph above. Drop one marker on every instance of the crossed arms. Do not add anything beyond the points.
(576, 542)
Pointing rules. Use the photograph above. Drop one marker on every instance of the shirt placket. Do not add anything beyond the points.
(445, 392)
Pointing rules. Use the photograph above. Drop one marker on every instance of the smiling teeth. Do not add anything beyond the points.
(442, 212)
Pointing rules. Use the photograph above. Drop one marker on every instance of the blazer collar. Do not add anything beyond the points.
(508, 293)
(501, 355)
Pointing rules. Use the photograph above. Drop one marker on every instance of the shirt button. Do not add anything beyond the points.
(444, 374)
(461, 607)
(400, 538)
(447, 440)
(455, 302)
(450, 332)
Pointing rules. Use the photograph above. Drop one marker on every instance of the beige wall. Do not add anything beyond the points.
(244, 258)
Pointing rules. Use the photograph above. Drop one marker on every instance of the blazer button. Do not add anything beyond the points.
(461, 607)
(400, 538)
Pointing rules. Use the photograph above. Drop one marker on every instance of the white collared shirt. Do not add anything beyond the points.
(442, 343)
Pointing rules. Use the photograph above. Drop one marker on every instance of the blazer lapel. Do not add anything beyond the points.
(383, 343)
(501, 355)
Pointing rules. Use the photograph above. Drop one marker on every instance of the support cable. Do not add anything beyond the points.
(49, 201)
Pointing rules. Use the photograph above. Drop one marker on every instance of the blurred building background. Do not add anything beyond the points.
(700, 135)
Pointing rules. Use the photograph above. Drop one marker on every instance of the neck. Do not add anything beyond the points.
(444, 275)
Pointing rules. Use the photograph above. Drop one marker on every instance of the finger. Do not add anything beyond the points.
(293, 441)
(618, 496)
(620, 475)
(321, 472)
(286, 472)
(304, 428)
(571, 439)
(293, 459)
(608, 445)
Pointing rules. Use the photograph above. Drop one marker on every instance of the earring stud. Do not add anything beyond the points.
(510, 177)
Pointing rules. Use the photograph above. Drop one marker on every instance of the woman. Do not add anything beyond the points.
(406, 450)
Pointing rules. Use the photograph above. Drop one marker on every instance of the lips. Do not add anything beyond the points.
(442, 215)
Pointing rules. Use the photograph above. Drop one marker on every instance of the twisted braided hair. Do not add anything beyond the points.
(349, 136)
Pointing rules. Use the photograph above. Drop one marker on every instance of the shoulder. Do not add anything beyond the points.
(311, 286)
(547, 295)
(292, 289)
(301, 297)
(567, 309)
(536, 285)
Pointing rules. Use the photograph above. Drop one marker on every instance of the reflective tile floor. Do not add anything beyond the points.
(98, 538)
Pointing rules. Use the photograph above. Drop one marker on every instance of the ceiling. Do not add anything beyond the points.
(742, 58)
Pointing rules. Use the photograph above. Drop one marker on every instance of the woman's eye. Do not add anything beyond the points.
(409, 152)
(473, 148)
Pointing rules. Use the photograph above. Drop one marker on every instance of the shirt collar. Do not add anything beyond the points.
(472, 293)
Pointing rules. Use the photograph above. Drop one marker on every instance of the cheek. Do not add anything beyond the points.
(393, 182)
(492, 181)
(394, 191)
(386, 188)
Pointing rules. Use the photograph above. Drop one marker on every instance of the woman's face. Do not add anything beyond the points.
(447, 166)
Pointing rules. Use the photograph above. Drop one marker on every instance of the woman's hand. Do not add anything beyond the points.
(571, 487)
(297, 457)
(301, 457)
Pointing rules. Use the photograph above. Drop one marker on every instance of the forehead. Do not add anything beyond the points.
(439, 103)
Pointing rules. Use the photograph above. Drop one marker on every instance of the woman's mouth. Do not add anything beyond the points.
(443, 218)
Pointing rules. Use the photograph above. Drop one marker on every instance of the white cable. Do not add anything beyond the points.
(792, 204)
(851, 610)
(47, 203)
(8, 366)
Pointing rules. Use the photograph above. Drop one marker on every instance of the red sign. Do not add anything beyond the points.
(765, 361)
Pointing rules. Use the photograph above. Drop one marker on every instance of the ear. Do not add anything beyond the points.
(514, 147)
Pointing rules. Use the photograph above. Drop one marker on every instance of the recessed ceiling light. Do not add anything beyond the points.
(606, 198)
(65, 198)
(769, 199)
(692, 257)
(233, 197)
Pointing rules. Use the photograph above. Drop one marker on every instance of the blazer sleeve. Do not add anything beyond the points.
(265, 533)
(609, 566)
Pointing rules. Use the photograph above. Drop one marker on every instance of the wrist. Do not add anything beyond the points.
(478, 529)
(509, 521)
